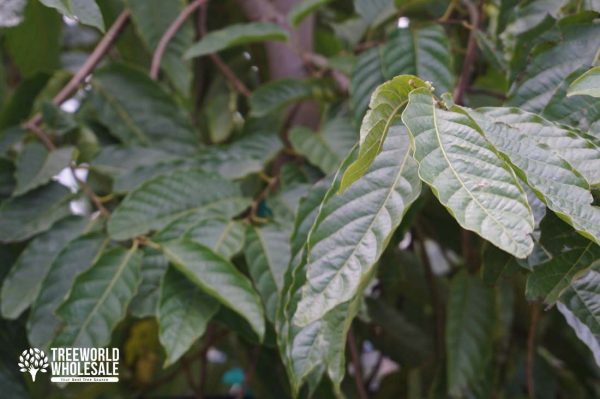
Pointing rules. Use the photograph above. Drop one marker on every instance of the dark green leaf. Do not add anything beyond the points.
(84, 11)
(225, 237)
(277, 94)
(36, 166)
(304, 8)
(154, 266)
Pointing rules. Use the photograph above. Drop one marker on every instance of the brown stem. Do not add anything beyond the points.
(237, 84)
(471, 54)
(41, 134)
(358, 378)
(169, 34)
(535, 317)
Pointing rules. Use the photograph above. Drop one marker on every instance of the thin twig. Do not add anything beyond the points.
(356, 363)
(535, 317)
(42, 135)
(169, 34)
(92, 61)
(471, 55)
(90, 193)
(237, 84)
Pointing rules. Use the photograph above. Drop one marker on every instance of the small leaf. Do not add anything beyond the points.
(85, 11)
(183, 314)
(36, 166)
(236, 35)
(218, 278)
(98, 299)
(166, 198)
(587, 84)
(303, 9)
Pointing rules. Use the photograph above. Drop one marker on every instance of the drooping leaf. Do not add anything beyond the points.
(79, 255)
(85, 11)
(27, 215)
(353, 229)
(587, 84)
(582, 299)
(99, 298)
(22, 284)
(154, 266)
(277, 94)
(385, 108)
(218, 278)
(137, 110)
(183, 314)
(163, 199)
(267, 254)
(36, 166)
(303, 9)
(423, 51)
(327, 147)
(471, 317)
(225, 237)
(236, 35)
(467, 176)
(152, 18)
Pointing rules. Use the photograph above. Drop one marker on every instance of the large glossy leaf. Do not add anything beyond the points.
(137, 110)
(277, 94)
(22, 284)
(152, 18)
(267, 254)
(467, 176)
(36, 166)
(353, 228)
(183, 314)
(27, 215)
(163, 199)
(236, 35)
(423, 51)
(553, 180)
(154, 266)
(84, 11)
(471, 318)
(304, 8)
(587, 84)
(385, 108)
(99, 298)
(574, 146)
(225, 237)
(583, 301)
(327, 147)
(78, 256)
(218, 278)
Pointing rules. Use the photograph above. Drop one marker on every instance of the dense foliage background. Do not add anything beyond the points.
(313, 198)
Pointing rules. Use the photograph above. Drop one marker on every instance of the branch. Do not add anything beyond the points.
(535, 317)
(358, 378)
(169, 34)
(90, 193)
(237, 84)
(471, 55)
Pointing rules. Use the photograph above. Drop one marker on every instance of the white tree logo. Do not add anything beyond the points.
(33, 360)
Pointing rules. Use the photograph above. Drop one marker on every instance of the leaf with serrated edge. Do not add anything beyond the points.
(99, 298)
(166, 198)
(218, 278)
(183, 314)
(467, 176)
(353, 229)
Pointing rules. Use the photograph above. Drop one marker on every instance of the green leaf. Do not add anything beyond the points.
(7, 181)
(353, 229)
(218, 278)
(277, 94)
(152, 18)
(387, 103)
(374, 11)
(137, 110)
(497, 264)
(327, 147)
(163, 199)
(98, 299)
(423, 51)
(572, 254)
(582, 300)
(552, 179)
(587, 84)
(303, 9)
(225, 237)
(22, 284)
(183, 314)
(79, 255)
(27, 215)
(471, 318)
(267, 254)
(36, 166)
(571, 144)
(236, 35)
(154, 266)
(84, 11)
(467, 176)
